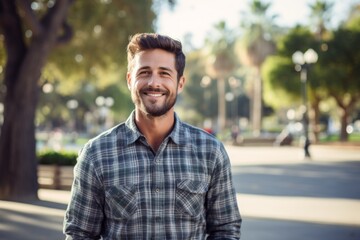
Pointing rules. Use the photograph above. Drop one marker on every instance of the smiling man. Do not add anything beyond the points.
(153, 176)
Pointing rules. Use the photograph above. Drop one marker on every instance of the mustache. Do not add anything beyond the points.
(152, 89)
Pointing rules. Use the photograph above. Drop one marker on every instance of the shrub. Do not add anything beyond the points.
(57, 158)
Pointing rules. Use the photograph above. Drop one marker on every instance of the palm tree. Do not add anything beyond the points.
(222, 63)
(320, 15)
(254, 47)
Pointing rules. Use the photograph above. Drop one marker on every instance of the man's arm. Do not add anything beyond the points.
(223, 217)
(84, 214)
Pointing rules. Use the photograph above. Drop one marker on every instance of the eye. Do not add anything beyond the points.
(165, 73)
(144, 73)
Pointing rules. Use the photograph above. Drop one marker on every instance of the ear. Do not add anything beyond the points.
(181, 84)
(128, 80)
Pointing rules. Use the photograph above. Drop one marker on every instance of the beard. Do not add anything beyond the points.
(154, 108)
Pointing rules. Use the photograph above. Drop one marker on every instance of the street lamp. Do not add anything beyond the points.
(302, 63)
(104, 104)
(72, 104)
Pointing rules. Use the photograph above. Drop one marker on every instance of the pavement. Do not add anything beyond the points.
(281, 195)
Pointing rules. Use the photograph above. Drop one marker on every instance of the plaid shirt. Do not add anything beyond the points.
(124, 190)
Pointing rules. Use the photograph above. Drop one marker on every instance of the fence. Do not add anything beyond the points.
(55, 177)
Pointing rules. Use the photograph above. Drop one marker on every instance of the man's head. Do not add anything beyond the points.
(147, 41)
(155, 73)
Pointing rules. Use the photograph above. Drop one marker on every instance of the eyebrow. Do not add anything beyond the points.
(161, 68)
(143, 68)
(166, 69)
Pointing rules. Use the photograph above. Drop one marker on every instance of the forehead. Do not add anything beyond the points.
(155, 58)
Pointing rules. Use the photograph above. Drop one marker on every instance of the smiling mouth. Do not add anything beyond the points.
(154, 94)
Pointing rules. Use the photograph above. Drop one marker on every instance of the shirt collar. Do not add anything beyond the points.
(132, 131)
(177, 135)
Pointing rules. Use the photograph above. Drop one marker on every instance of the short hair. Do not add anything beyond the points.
(147, 41)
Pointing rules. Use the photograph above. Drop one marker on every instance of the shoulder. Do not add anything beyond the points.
(197, 132)
(104, 142)
(200, 138)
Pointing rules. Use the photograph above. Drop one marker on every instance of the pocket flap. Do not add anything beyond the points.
(122, 201)
(193, 186)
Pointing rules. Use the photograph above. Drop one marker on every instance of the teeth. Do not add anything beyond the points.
(155, 94)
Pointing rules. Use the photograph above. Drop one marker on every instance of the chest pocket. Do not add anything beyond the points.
(122, 201)
(190, 197)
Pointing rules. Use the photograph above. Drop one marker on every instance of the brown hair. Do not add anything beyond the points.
(146, 41)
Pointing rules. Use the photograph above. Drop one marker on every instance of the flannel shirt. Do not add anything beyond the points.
(124, 190)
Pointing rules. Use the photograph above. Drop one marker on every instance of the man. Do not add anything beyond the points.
(154, 176)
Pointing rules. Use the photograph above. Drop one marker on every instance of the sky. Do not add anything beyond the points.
(199, 16)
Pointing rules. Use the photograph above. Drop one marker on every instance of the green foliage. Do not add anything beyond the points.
(281, 82)
(299, 38)
(94, 62)
(101, 32)
(57, 158)
(341, 63)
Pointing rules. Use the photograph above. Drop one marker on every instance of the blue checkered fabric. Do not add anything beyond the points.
(122, 189)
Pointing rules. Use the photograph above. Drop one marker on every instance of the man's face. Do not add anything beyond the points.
(153, 82)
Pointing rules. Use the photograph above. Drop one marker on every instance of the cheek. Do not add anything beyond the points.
(134, 84)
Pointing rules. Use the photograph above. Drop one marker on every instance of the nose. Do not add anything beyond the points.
(154, 81)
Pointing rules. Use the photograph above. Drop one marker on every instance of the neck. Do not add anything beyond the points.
(155, 129)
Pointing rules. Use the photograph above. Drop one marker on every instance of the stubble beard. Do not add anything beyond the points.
(152, 108)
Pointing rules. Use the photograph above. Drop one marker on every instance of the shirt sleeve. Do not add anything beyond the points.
(84, 214)
(223, 216)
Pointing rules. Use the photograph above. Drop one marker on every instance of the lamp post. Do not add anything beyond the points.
(302, 63)
(104, 104)
(72, 105)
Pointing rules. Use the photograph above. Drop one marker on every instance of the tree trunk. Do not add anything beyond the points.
(344, 122)
(221, 105)
(315, 120)
(346, 109)
(18, 165)
(257, 104)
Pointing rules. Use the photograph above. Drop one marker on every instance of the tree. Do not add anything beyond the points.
(334, 75)
(341, 73)
(222, 63)
(320, 16)
(282, 82)
(25, 58)
(31, 31)
(256, 45)
(95, 59)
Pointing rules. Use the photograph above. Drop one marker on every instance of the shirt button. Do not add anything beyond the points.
(157, 190)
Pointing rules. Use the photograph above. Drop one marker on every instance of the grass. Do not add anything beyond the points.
(353, 138)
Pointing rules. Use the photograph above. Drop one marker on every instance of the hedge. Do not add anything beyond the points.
(57, 158)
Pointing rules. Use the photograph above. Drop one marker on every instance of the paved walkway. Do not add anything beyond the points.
(338, 211)
(43, 219)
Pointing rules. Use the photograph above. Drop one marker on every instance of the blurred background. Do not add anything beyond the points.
(259, 73)
(274, 72)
